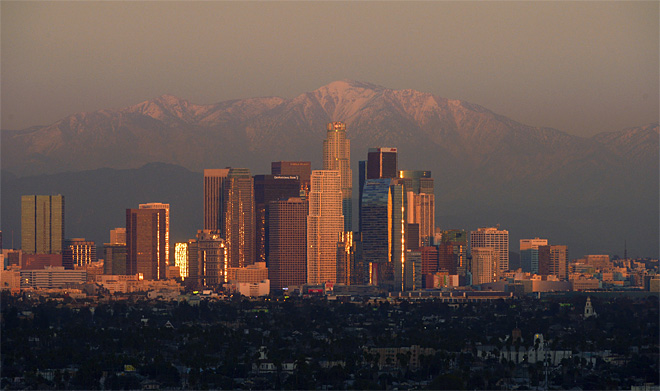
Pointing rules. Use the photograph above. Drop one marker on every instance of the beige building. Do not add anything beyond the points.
(337, 157)
(325, 222)
(494, 238)
(485, 261)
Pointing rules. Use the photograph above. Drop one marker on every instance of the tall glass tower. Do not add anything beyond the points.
(337, 157)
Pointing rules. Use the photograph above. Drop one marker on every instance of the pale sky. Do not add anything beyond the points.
(580, 67)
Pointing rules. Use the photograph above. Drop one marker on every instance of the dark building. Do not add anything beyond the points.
(287, 242)
(214, 181)
(269, 188)
(429, 259)
(382, 163)
(114, 261)
(145, 243)
(302, 169)
(78, 252)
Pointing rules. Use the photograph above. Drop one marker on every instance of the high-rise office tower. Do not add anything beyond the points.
(383, 232)
(337, 156)
(302, 169)
(212, 257)
(420, 203)
(145, 243)
(382, 163)
(269, 188)
(195, 277)
(420, 209)
(324, 224)
(553, 260)
(429, 257)
(42, 224)
(485, 265)
(214, 180)
(529, 254)
(78, 252)
(166, 208)
(287, 242)
(494, 238)
(118, 235)
(239, 220)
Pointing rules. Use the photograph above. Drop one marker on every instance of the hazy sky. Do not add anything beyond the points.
(581, 67)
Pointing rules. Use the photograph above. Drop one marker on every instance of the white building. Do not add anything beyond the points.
(494, 238)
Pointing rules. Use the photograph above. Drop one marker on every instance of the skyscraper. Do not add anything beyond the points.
(145, 243)
(118, 235)
(337, 156)
(42, 224)
(420, 203)
(383, 232)
(494, 238)
(529, 254)
(302, 169)
(324, 224)
(238, 229)
(166, 208)
(287, 242)
(214, 180)
(269, 188)
(382, 163)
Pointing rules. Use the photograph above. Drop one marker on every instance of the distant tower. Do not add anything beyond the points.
(337, 156)
(166, 208)
(553, 260)
(42, 224)
(145, 243)
(324, 224)
(589, 309)
(287, 242)
(238, 229)
(494, 238)
(214, 180)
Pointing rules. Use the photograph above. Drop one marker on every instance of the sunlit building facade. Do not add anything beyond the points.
(337, 157)
(214, 180)
(166, 208)
(485, 265)
(529, 254)
(239, 217)
(324, 224)
(145, 243)
(42, 224)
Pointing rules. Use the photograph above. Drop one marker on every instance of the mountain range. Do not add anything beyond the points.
(590, 193)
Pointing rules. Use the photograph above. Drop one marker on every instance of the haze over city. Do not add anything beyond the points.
(580, 67)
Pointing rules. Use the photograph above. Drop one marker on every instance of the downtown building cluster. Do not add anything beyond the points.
(292, 229)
